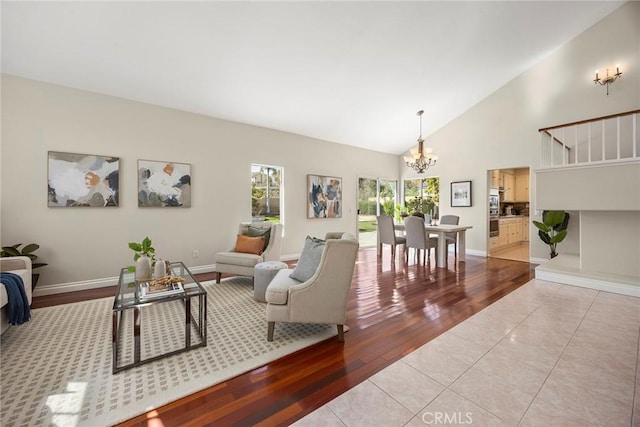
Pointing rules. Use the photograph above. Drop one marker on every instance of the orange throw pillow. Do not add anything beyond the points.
(249, 245)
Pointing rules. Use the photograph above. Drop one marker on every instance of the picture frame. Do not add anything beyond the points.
(82, 180)
(324, 197)
(461, 194)
(164, 184)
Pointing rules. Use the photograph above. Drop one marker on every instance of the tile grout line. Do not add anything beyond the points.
(559, 357)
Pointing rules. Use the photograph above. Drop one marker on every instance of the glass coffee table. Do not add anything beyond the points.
(174, 322)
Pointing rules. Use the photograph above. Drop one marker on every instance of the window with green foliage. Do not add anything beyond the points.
(266, 185)
(422, 195)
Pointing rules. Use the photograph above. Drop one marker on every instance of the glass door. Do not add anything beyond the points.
(375, 197)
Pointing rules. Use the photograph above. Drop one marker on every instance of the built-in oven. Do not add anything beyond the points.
(494, 227)
(494, 212)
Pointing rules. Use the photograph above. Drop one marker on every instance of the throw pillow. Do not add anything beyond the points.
(249, 245)
(259, 232)
(309, 259)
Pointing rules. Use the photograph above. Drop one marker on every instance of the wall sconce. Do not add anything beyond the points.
(609, 79)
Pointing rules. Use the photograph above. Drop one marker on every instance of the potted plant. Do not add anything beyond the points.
(28, 251)
(553, 228)
(144, 256)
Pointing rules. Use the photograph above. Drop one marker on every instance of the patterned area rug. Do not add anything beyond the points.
(56, 369)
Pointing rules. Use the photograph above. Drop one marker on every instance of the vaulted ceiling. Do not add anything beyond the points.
(349, 72)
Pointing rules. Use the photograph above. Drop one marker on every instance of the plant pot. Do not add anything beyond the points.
(143, 269)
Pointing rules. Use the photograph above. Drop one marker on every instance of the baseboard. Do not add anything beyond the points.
(584, 280)
(474, 252)
(61, 288)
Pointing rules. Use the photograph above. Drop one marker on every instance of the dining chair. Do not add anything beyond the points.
(451, 237)
(417, 239)
(387, 235)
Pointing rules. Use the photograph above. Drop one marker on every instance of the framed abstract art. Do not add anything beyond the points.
(164, 184)
(82, 180)
(324, 197)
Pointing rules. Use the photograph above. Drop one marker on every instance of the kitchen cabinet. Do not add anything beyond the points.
(522, 187)
(503, 236)
(525, 229)
(513, 230)
(495, 179)
(509, 184)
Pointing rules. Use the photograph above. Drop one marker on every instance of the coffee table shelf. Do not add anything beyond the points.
(128, 297)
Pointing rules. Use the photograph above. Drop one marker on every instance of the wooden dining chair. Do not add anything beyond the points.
(387, 235)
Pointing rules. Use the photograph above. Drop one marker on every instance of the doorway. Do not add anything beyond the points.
(511, 240)
(376, 196)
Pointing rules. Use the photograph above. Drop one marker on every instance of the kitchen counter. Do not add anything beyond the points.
(513, 216)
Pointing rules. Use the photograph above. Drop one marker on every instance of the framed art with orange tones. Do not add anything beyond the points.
(82, 180)
(164, 184)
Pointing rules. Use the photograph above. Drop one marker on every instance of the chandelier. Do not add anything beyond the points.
(420, 160)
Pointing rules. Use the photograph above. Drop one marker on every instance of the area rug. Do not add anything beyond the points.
(56, 369)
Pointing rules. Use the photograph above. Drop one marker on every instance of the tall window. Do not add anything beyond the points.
(422, 195)
(266, 184)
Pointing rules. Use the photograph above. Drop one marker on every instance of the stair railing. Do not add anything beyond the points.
(613, 138)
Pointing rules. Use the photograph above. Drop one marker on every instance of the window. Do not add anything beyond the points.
(422, 195)
(266, 184)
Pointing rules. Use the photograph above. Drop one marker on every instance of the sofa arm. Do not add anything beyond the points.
(15, 263)
(19, 263)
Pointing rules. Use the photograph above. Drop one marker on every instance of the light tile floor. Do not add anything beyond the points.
(544, 355)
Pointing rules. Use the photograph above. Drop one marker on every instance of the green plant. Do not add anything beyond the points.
(553, 228)
(387, 207)
(28, 251)
(400, 211)
(421, 205)
(140, 249)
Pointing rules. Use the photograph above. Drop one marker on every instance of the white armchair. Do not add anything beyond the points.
(21, 266)
(323, 297)
(242, 264)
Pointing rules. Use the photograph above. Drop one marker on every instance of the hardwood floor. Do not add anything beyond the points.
(391, 312)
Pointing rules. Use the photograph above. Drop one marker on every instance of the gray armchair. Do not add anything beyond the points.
(322, 298)
(242, 264)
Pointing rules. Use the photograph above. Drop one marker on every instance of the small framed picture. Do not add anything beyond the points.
(324, 196)
(461, 194)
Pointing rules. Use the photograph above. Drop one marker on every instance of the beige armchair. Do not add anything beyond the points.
(323, 297)
(20, 265)
(242, 264)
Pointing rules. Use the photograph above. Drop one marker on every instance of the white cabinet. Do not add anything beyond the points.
(522, 187)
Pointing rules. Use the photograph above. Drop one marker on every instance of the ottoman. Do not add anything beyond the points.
(263, 273)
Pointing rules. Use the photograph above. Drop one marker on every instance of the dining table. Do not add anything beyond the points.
(440, 230)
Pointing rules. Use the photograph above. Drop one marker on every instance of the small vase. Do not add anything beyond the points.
(160, 269)
(143, 268)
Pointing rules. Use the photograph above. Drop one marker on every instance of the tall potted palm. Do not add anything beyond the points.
(553, 228)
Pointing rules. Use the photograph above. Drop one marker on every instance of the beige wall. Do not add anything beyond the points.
(501, 131)
(85, 244)
(591, 188)
(602, 252)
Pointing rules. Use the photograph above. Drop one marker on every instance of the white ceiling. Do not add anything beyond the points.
(349, 72)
